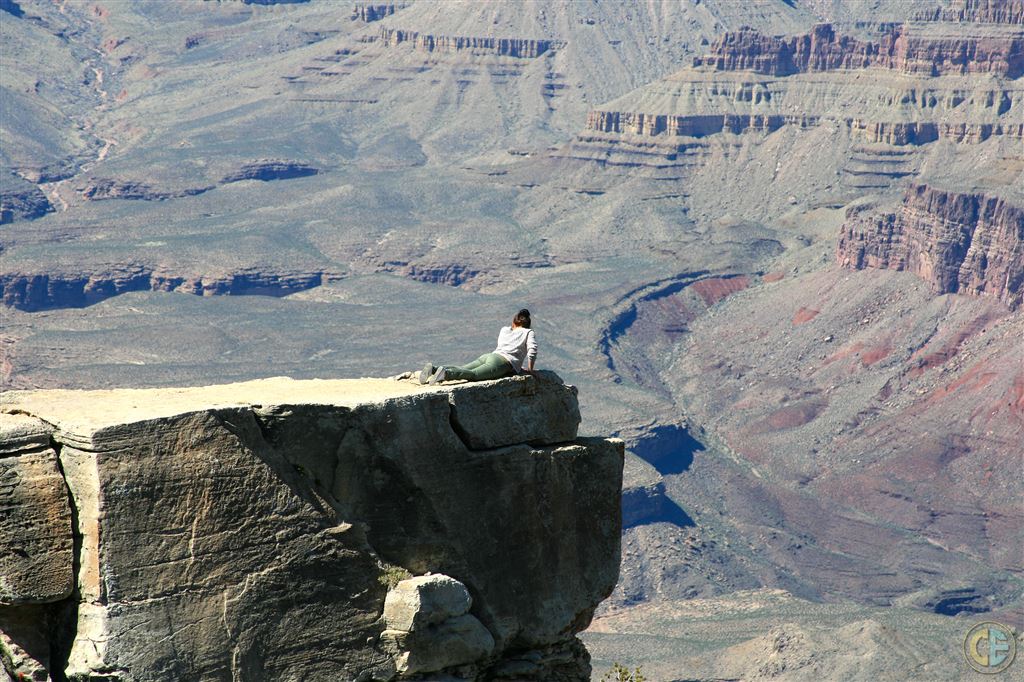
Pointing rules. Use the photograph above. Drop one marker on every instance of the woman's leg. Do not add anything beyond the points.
(476, 363)
(491, 366)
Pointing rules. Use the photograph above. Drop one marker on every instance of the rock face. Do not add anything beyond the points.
(367, 12)
(959, 242)
(35, 548)
(823, 50)
(248, 531)
(270, 169)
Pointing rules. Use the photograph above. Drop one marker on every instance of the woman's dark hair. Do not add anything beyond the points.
(522, 319)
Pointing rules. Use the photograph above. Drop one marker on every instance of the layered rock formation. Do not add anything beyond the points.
(526, 48)
(960, 242)
(251, 531)
(719, 94)
(1009, 12)
(897, 50)
(33, 292)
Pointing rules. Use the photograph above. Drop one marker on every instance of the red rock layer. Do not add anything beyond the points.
(506, 47)
(822, 50)
(959, 242)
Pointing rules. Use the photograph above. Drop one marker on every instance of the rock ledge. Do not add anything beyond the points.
(251, 531)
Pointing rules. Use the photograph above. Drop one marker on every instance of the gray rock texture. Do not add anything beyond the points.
(249, 531)
(35, 517)
(430, 627)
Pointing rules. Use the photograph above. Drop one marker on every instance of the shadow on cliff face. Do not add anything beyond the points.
(669, 449)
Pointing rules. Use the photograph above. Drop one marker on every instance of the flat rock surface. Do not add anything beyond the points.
(93, 410)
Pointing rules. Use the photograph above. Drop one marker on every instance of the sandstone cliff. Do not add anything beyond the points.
(252, 531)
(969, 243)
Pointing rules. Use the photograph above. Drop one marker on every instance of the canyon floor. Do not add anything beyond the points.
(776, 245)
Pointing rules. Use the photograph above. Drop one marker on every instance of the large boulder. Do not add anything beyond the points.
(429, 627)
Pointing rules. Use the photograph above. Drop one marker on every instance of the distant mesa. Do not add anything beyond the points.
(524, 48)
(960, 242)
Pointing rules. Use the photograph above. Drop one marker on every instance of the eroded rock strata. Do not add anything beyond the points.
(252, 531)
(526, 48)
(909, 88)
(960, 242)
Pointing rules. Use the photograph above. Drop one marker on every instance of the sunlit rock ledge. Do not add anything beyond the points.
(255, 531)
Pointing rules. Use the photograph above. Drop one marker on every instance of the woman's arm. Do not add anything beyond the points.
(531, 350)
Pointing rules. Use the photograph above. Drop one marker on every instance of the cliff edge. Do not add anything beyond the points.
(365, 529)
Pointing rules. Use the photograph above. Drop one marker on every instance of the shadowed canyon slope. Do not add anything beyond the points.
(253, 530)
(779, 245)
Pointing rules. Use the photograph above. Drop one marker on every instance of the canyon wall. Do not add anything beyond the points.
(896, 49)
(960, 242)
(366, 529)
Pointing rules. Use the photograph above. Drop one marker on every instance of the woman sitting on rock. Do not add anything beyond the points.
(515, 344)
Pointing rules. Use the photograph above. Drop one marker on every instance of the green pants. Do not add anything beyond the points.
(487, 366)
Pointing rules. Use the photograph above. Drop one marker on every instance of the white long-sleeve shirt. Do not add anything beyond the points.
(516, 344)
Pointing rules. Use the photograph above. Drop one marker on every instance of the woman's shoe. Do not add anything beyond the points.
(425, 373)
(437, 377)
